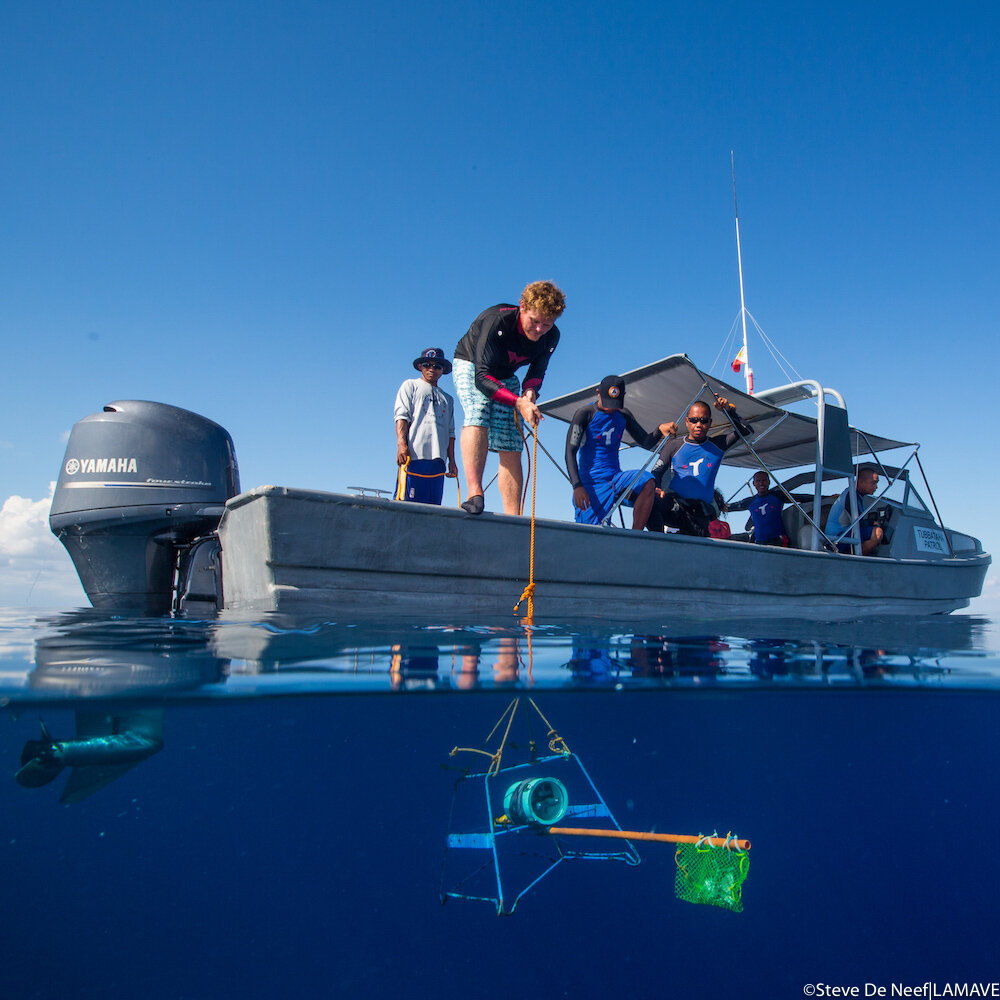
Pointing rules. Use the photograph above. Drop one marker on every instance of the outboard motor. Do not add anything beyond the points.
(139, 483)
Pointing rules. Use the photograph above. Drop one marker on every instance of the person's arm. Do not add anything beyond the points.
(525, 404)
(646, 441)
(741, 428)
(870, 546)
(667, 452)
(835, 520)
(536, 370)
(574, 438)
(491, 357)
(402, 441)
(403, 412)
(741, 425)
(452, 467)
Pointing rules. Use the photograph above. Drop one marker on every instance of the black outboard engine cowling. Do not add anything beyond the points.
(139, 482)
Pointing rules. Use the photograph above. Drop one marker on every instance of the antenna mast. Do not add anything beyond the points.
(742, 358)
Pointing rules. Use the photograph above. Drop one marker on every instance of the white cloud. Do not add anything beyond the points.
(35, 570)
(988, 604)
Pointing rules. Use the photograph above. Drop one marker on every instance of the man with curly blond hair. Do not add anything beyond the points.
(502, 339)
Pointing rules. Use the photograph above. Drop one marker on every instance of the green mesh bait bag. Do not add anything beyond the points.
(711, 875)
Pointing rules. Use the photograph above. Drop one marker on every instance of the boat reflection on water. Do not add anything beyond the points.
(688, 656)
(90, 655)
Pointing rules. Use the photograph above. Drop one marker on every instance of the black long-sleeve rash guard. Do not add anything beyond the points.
(497, 346)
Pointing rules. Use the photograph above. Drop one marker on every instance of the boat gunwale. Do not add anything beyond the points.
(548, 524)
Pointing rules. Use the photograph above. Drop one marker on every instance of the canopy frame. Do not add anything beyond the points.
(782, 438)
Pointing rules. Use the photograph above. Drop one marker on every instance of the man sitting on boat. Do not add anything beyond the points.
(502, 339)
(839, 519)
(765, 512)
(425, 430)
(592, 443)
(687, 504)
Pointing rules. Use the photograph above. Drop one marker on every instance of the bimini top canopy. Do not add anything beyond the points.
(664, 390)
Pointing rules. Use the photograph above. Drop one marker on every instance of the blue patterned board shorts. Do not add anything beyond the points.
(481, 411)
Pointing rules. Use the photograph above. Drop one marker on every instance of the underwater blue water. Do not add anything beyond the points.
(288, 838)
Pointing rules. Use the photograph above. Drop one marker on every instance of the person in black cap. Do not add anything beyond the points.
(425, 431)
(592, 442)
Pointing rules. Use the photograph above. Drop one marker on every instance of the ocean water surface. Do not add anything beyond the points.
(261, 807)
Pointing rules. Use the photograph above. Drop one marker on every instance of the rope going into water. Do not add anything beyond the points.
(529, 590)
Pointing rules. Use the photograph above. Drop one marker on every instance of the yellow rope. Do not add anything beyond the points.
(512, 708)
(556, 743)
(401, 480)
(529, 590)
(498, 753)
(401, 486)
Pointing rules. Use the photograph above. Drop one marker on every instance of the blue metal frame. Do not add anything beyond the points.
(492, 837)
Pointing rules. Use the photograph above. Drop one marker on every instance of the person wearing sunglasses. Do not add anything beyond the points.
(687, 503)
(425, 431)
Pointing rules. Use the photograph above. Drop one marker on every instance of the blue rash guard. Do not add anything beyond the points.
(693, 470)
(693, 467)
(766, 513)
(592, 444)
(840, 517)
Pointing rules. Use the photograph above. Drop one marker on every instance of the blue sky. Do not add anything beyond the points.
(262, 212)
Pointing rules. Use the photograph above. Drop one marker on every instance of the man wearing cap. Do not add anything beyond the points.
(425, 430)
(592, 443)
(502, 339)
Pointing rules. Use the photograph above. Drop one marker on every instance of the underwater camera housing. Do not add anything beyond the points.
(140, 493)
(536, 801)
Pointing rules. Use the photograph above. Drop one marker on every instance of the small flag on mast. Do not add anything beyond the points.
(740, 360)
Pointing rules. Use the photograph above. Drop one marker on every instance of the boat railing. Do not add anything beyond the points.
(832, 456)
(804, 389)
(365, 491)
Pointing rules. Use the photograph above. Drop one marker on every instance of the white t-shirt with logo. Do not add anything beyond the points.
(431, 414)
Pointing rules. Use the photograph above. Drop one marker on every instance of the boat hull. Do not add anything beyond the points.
(313, 553)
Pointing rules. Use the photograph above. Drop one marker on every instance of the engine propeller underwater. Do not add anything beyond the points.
(501, 859)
